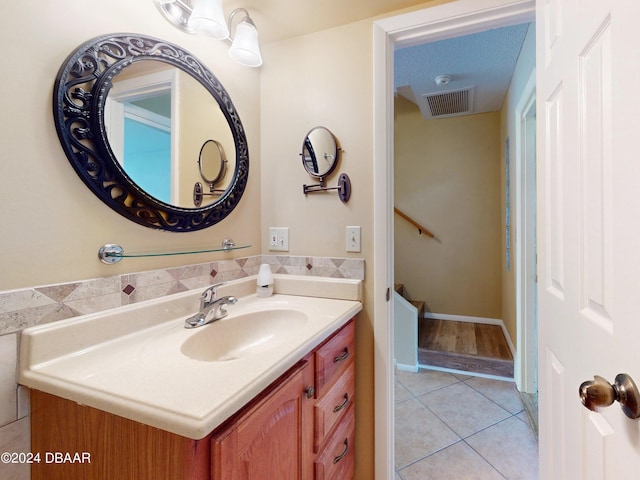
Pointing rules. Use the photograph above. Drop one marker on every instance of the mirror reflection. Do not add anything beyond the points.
(156, 137)
(116, 83)
(319, 152)
(212, 162)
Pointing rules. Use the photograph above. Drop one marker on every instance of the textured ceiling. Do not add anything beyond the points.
(280, 19)
(484, 61)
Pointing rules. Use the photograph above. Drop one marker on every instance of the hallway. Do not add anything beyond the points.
(461, 427)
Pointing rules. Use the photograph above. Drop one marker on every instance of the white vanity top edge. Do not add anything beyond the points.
(135, 368)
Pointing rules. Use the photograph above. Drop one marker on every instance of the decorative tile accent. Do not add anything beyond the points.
(33, 306)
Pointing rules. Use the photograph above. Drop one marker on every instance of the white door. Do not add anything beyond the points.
(588, 78)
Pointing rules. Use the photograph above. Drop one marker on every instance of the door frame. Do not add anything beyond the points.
(461, 17)
(526, 361)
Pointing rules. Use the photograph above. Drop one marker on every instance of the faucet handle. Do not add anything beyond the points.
(209, 295)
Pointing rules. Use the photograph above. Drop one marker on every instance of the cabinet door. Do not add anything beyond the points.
(273, 440)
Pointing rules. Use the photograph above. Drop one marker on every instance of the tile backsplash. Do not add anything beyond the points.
(24, 308)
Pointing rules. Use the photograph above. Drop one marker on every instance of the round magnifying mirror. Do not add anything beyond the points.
(319, 152)
(212, 162)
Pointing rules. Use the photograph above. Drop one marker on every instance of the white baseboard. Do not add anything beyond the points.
(468, 374)
(482, 320)
(464, 318)
(407, 368)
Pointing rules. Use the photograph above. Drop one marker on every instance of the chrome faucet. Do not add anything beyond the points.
(211, 308)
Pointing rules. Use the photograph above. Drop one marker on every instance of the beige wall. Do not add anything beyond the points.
(324, 79)
(447, 178)
(210, 124)
(52, 225)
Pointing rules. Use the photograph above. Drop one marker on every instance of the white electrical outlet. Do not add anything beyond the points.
(353, 239)
(279, 239)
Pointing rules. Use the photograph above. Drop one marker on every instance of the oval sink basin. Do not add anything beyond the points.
(243, 335)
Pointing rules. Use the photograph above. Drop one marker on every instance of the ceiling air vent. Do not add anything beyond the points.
(449, 104)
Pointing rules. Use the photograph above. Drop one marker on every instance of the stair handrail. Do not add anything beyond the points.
(420, 228)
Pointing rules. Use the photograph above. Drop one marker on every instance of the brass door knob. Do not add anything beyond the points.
(598, 393)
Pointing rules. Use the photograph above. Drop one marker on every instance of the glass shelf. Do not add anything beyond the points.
(111, 253)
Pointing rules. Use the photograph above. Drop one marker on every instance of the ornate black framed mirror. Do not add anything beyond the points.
(91, 120)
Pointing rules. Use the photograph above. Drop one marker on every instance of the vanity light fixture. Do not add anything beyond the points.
(207, 17)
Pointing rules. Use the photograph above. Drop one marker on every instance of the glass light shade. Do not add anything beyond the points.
(162, 2)
(245, 48)
(208, 17)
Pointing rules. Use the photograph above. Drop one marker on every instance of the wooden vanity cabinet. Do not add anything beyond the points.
(334, 424)
(271, 439)
(300, 428)
(303, 430)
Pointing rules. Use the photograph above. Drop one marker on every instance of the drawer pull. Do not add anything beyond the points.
(343, 404)
(342, 357)
(343, 454)
(309, 391)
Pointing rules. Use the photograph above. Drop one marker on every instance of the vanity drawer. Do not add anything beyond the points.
(332, 406)
(334, 357)
(337, 461)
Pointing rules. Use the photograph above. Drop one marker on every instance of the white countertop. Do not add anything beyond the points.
(128, 361)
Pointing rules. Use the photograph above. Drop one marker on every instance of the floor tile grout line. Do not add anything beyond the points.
(415, 396)
(430, 391)
(460, 440)
(470, 386)
(494, 401)
(430, 454)
(471, 434)
(489, 426)
(486, 460)
(464, 439)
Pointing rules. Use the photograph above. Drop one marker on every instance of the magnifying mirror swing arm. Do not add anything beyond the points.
(321, 139)
(344, 187)
(198, 189)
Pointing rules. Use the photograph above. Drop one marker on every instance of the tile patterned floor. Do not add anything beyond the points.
(451, 426)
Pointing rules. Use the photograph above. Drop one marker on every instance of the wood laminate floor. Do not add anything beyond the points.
(470, 347)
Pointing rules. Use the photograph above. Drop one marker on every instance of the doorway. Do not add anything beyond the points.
(445, 21)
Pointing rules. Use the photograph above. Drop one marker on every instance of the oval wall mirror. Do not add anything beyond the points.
(118, 101)
(319, 152)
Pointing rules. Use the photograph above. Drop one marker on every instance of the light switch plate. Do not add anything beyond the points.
(279, 239)
(353, 239)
